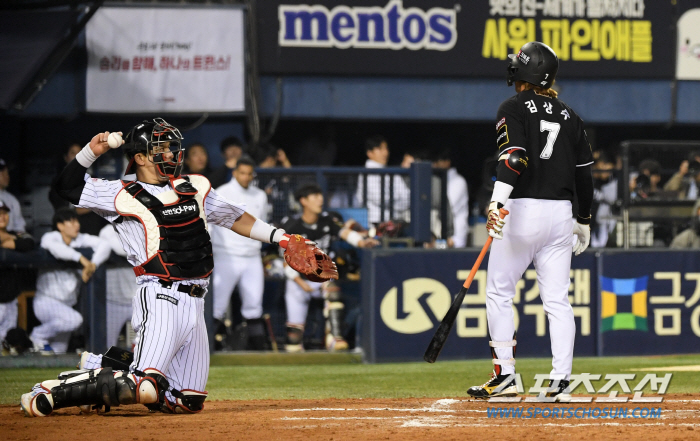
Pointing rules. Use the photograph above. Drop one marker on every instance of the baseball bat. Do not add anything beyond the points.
(443, 331)
(268, 323)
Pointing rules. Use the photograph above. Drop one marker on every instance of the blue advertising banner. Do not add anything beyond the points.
(407, 292)
(649, 303)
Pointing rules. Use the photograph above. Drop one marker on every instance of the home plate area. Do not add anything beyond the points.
(677, 417)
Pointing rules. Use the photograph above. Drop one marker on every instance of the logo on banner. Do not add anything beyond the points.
(408, 311)
(390, 27)
(624, 304)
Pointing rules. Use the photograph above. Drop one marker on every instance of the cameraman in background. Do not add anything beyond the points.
(689, 238)
(686, 180)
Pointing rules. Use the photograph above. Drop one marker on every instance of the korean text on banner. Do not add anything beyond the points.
(165, 60)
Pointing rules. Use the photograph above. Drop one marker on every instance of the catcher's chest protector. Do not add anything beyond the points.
(177, 244)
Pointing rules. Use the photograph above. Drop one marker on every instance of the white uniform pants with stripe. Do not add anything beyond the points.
(247, 273)
(298, 300)
(8, 317)
(541, 232)
(171, 336)
(58, 321)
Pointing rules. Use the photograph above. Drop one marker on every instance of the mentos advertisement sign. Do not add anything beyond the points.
(458, 38)
(372, 27)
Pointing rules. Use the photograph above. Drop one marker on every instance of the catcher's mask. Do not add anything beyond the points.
(535, 63)
(156, 139)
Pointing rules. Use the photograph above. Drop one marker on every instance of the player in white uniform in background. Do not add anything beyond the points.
(121, 288)
(237, 259)
(458, 200)
(161, 219)
(57, 289)
(544, 157)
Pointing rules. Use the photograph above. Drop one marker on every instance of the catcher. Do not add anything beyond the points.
(161, 219)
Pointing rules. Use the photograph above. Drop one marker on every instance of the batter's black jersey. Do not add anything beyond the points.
(323, 232)
(552, 134)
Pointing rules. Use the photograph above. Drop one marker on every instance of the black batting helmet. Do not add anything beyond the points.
(146, 137)
(535, 63)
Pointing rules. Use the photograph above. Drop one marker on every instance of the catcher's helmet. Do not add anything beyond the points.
(535, 63)
(147, 137)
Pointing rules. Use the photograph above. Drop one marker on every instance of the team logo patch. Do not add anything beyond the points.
(500, 123)
(502, 136)
(523, 58)
(185, 208)
(172, 300)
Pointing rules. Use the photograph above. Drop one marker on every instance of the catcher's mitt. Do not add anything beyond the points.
(309, 260)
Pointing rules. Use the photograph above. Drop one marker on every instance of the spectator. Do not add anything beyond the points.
(237, 259)
(689, 238)
(90, 223)
(57, 289)
(121, 288)
(9, 281)
(231, 150)
(604, 198)
(646, 183)
(197, 161)
(687, 179)
(323, 228)
(278, 187)
(458, 199)
(16, 220)
(269, 156)
(377, 150)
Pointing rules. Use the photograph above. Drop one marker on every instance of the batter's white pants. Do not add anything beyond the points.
(171, 336)
(58, 321)
(117, 315)
(541, 232)
(8, 317)
(298, 300)
(246, 272)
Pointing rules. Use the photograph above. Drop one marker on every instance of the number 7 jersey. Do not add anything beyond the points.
(552, 134)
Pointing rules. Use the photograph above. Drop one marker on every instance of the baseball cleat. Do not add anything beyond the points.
(336, 344)
(294, 348)
(560, 392)
(495, 387)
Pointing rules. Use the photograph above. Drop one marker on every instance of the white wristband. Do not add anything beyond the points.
(501, 192)
(290, 273)
(265, 232)
(86, 157)
(354, 238)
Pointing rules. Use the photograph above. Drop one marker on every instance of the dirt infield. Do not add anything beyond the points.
(365, 419)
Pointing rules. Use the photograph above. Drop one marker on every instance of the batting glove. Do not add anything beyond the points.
(494, 223)
(583, 238)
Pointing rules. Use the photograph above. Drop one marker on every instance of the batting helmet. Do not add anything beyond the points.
(150, 138)
(535, 63)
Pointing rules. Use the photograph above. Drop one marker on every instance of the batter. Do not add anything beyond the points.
(544, 156)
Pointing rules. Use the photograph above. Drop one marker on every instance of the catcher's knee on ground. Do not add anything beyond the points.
(99, 387)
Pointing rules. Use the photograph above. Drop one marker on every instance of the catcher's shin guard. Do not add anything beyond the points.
(334, 311)
(100, 388)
